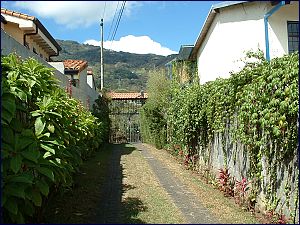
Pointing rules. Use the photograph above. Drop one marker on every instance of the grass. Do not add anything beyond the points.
(77, 205)
(143, 199)
(222, 207)
(154, 204)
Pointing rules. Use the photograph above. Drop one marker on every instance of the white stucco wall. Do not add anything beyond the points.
(278, 38)
(90, 82)
(59, 66)
(238, 29)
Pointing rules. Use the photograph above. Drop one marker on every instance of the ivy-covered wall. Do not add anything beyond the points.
(184, 71)
(247, 123)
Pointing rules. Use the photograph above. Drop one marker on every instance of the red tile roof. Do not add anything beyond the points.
(71, 64)
(17, 14)
(115, 95)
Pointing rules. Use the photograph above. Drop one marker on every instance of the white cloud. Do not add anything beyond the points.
(73, 14)
(133, 44)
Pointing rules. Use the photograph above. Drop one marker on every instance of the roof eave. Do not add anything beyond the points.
(208, 21)
(46, 32)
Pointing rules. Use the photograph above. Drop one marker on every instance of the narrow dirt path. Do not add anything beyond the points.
(184, 199)
(131, 192)
(138, 184)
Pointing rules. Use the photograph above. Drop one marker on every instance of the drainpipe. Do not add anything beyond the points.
(56, 54)
(266, 16)
(28, 34)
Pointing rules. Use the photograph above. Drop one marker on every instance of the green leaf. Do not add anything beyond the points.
(47, 172)
(16, 125)
(6, 115)
(39, 126)
(31, 153)
(11, 205)
(36, 198)
(46, 155)
(43, 187)
(15, 163)
(31, 83)
(9, 103)
(21, 94)
(56, 114)
(15, 190)
(8, 135)
(48, 148)
(24, 178)
(28, 208)
(23, 142)
(35, 114)
(51, 128)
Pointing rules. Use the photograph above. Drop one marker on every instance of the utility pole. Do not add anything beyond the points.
(101, 54)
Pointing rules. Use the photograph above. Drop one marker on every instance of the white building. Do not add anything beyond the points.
(235, 27)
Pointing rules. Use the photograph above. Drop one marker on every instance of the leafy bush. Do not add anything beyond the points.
(45, 136)
(257, 106)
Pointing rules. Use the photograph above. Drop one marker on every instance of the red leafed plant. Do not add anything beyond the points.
(276, 218)
(282, 219)
(241, 188)
(226, 183)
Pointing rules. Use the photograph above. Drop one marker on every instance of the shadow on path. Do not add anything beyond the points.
(184, 199)
(111, 209)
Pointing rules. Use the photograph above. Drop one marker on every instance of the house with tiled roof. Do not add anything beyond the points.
(29, 32)
(232, 28)
(75, 70)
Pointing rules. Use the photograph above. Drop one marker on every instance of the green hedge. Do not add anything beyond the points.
(45, 137)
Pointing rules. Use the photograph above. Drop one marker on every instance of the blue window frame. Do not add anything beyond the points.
(293, 36)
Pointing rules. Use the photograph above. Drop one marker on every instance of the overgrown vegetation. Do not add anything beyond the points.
(45, 137)
(257, 106)
(154, 112)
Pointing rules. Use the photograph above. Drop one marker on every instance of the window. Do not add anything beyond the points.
(293, 36)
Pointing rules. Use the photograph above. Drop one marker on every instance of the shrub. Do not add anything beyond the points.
(45, 137)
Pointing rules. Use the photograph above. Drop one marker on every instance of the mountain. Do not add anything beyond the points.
(123, 71)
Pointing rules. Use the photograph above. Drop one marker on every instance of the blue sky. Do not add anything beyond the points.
(158, 27)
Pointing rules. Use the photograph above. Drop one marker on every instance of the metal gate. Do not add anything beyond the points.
(124, 115)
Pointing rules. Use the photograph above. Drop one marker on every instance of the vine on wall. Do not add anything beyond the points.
(258, 106)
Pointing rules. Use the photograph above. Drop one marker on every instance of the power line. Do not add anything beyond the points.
(118, 21)
(112, 23)
(104, 10)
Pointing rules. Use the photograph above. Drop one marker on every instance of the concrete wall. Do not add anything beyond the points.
(238, 29)
(235, 156)
(87, 95)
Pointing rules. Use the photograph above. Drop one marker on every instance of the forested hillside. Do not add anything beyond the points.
(123, 71)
